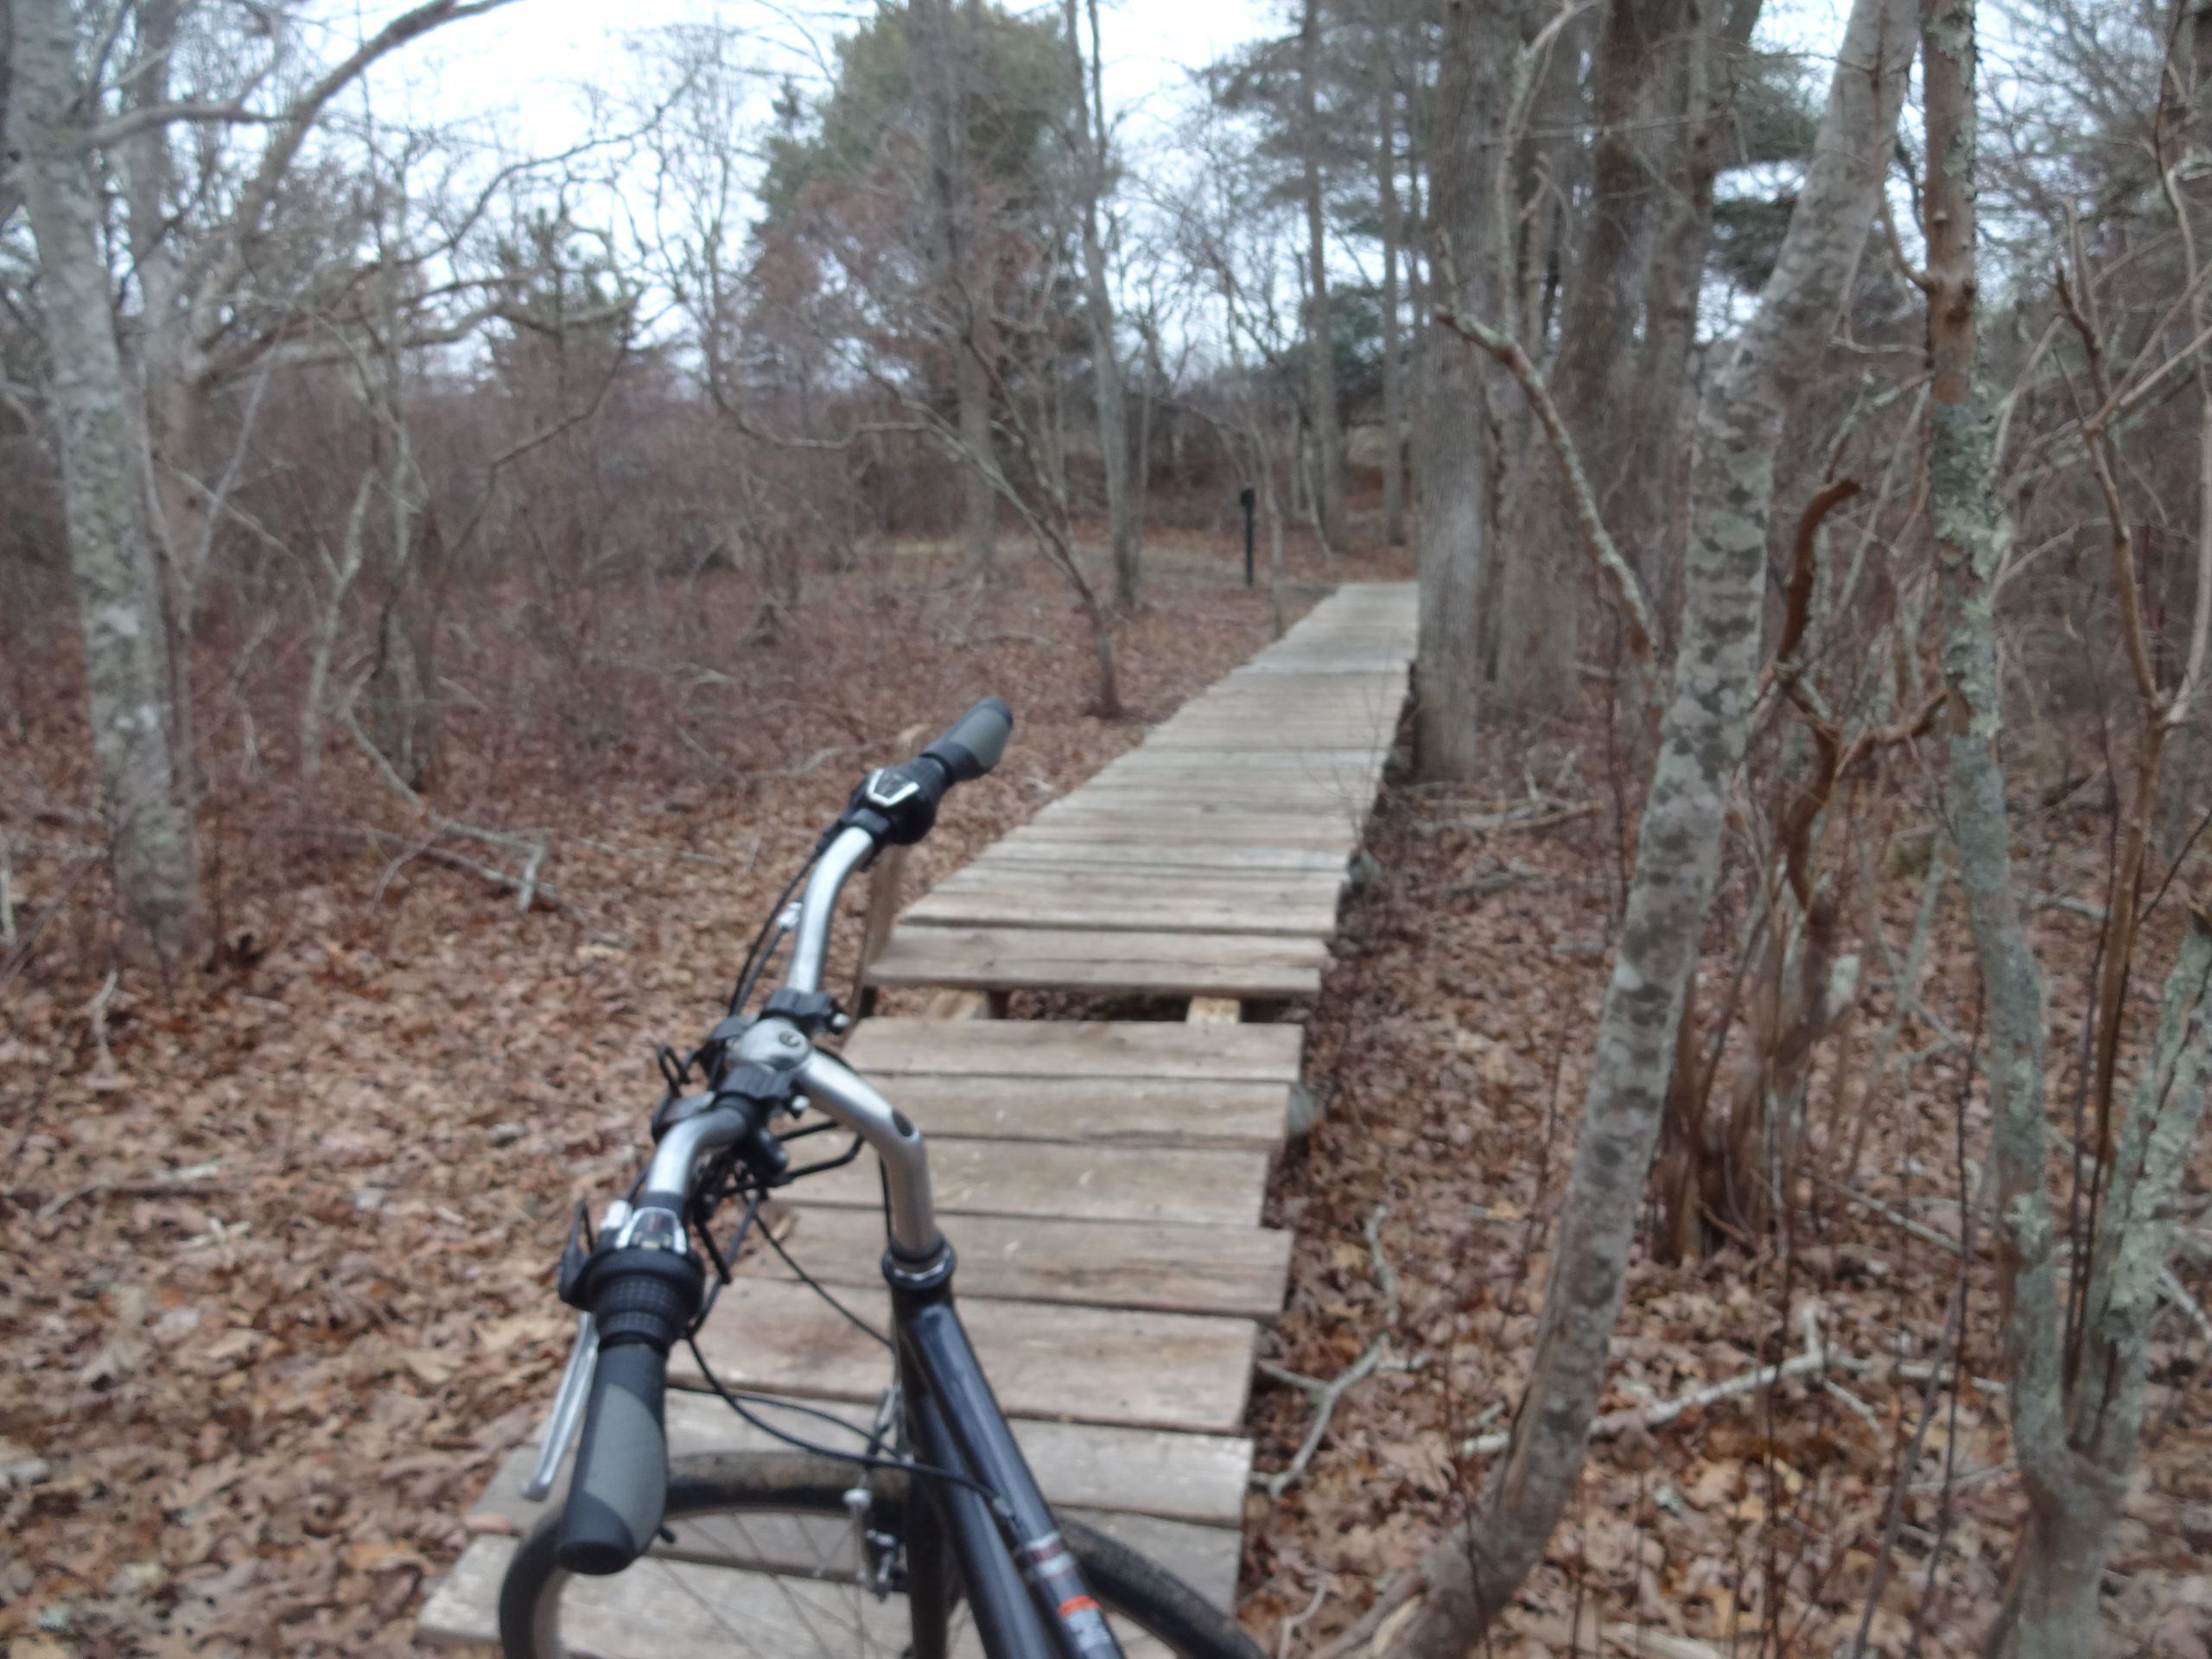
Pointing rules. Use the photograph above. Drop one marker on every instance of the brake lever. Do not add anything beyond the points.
(576, 1381)
(568, 1407)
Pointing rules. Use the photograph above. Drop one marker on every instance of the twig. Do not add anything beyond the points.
(1920, 1231)
(681, 852)
(1519, 818)
(1494, 881)
(21, 953)
(526, 887)
(96, 1017)
(1324, 1394)
(1290, 1623)
(1813, 1359)
(1325, 1397)
(164, 1184)
(2171, 1286)
(1844, 1398)
(818, 757)
(1628, 593)
(1972, 1477)
(1386, 1280)
(7, 895)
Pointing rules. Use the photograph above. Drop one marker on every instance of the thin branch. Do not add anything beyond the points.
(1814, 1360)
(113, 132)
(1627, 592)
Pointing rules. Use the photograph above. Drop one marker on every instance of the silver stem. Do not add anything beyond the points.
(844, 1095)
(847, 854)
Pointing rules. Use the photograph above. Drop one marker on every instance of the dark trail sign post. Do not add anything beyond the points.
(1247, 498)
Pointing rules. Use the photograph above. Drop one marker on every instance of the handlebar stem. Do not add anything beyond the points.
(910, 1214)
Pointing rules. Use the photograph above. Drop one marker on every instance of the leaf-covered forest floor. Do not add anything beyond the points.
(276, 1250)
(1454, 1043)
(277, 1245)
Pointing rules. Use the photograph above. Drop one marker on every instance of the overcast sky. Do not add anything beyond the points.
(525, 63)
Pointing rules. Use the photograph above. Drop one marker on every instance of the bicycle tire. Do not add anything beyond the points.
(768, 1511)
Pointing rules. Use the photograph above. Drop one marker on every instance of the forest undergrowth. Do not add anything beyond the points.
(1451, 1048)
(276, 1249)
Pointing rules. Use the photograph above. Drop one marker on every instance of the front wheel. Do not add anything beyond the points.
(772, 1555)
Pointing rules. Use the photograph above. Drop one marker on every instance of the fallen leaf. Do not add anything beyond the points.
(433, 1367)
(1658, 1644)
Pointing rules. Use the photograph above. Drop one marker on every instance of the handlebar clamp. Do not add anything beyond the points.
(812, 1011)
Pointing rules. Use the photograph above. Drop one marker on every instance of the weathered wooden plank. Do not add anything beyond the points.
(1247, 908)
(1044, 1359)
(659, 1610)
(1124, 1111)
(1243, 758)
(1312, 797)
(1170, 1266)
(1077, 1048)
(1142, 830)
(1218, 1186)
(1194, 1478)
(1228, 881)
(1178, 964)
(1259, 739)
(1178, 857)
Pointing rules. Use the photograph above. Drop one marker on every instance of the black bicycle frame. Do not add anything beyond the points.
(956, 1425)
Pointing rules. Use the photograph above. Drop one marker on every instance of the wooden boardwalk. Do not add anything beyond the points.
(1102, 1182)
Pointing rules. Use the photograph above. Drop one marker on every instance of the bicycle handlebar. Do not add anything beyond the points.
(645, 1292)
(643, 1297)
(898, 805)
(971, 745)
(621, 1489)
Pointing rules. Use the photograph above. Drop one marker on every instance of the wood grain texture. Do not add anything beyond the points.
(1184, 906)
(1169, 1267)
(1114, 1111)
(1056, 1048)
(1183, 964)
(1081, 1365)
(1217, 1187)
(1196, 1477)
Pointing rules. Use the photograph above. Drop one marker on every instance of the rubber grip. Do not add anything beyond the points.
(620, 1488)
(971, 745)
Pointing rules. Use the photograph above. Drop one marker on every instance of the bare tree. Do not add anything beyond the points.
(1453, 452)
(1321, 350)
(1091, 139)
(2076, 1406)
(53, 116)
(1392, 235)
(943, 48)
(1470, 1576)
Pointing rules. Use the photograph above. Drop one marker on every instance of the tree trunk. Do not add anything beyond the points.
(1451, 440)
(1320, 357)
(1604, 296)
(1393, 368)
(2073, 1455)
(979, 555)
(173, 393)
(119, 588)
(1098, 307)
(962, 292)
(1651, 517)
(1472, 1575)
(1536, 616)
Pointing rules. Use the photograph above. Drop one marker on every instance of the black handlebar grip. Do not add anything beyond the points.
(972, 744)
(620, 1488)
